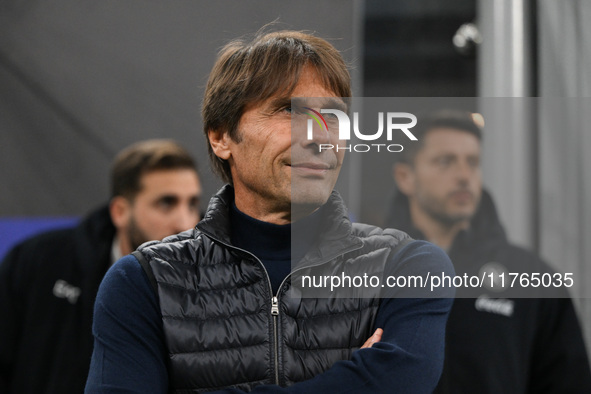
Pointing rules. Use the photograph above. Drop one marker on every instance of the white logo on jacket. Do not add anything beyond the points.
(63, 289)
(500, 306)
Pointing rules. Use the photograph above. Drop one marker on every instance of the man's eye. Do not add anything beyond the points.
(166, 203)
(444, 161)
(194, 204)
(297, 110)
(331, 119)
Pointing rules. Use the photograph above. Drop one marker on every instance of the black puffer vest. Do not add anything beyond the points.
(223, 326)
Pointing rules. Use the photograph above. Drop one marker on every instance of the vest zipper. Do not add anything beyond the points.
(275, 299)
(274, 303)
(275, 313)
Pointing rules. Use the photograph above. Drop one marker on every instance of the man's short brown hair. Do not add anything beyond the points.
(143, 157)
(247, 73)
(446, 118)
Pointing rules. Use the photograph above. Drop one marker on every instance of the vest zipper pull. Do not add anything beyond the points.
(275, 313)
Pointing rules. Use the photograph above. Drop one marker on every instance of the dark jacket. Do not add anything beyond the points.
(261, 337)
(47, 289)
(498, 344)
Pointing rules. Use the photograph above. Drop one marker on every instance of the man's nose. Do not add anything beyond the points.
(316, 134)
(465, 171)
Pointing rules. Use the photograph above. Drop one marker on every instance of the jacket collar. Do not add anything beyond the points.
(484, 226)
(216, 222)
(334, 232)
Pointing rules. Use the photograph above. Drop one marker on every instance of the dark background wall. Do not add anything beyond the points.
(80, 80)
(409, 52)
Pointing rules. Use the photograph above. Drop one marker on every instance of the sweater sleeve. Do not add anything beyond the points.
(409, 358)
(129, 354)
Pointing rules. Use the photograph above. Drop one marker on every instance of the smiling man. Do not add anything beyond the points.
(272, 169)
(212, 309)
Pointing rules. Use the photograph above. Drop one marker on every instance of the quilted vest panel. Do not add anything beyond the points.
(216, 306)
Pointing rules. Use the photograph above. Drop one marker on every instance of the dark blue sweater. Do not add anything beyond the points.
(130, 355)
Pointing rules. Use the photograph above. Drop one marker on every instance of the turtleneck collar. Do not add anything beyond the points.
(270, 241)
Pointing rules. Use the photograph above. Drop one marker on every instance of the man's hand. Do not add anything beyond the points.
(376, 337)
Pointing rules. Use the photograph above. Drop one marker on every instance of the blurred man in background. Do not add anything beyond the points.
(494, 344)
(48, 283)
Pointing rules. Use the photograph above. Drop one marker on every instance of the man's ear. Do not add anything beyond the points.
(404, 178)
(220, 143)
(120, 210)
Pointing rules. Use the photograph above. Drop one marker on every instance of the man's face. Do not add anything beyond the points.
(446, 180)
(167, 203)
(273, 167)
